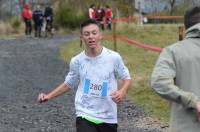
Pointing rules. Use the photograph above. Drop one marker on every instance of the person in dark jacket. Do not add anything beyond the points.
(48, 16)
(27, 17)
(38, 19)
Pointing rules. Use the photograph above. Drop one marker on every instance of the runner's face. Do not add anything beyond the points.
(91, 36)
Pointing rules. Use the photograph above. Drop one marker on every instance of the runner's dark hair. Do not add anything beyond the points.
(88, 22)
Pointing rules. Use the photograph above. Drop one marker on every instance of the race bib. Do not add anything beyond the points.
(94, 88)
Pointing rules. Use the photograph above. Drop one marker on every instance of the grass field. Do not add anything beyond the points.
(139, 61)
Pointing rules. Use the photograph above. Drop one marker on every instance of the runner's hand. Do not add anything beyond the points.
(117, 96)
(42, 98)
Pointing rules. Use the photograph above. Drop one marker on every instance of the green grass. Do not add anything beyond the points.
(139, 61)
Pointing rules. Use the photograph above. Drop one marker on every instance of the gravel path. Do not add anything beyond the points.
(29, 66)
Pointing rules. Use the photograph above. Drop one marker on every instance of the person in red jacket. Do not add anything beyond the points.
(27, 17)
(108, 16)
(100, 13)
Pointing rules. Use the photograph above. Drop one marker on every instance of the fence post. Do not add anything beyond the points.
(114, 36)
(181, 32)
(81, 44)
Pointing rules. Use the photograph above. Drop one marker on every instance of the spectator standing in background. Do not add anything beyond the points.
(48, 16)
(100, 13)
(108, 15)
(92, 12)
(27, 17)
(38, 19)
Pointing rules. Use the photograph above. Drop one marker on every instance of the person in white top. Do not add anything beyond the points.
(92, 12)
(94, 72)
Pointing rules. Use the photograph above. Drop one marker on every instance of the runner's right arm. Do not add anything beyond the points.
(71, 81)
(61, 89)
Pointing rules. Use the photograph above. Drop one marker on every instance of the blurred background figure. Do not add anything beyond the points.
(48, 17)
(108, 15)
(38, 20)
(100, 14)
(92, 12)
(27, 17)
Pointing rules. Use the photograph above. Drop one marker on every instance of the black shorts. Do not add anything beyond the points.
(83, 125)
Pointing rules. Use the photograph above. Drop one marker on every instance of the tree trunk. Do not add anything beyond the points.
(172, 5)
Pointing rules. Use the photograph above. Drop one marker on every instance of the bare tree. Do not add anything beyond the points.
(189, 3)
(154, 6)
(171, 6)
(21, 4)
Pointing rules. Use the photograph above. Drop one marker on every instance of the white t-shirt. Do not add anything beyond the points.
(96, 78)
(91, 12)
